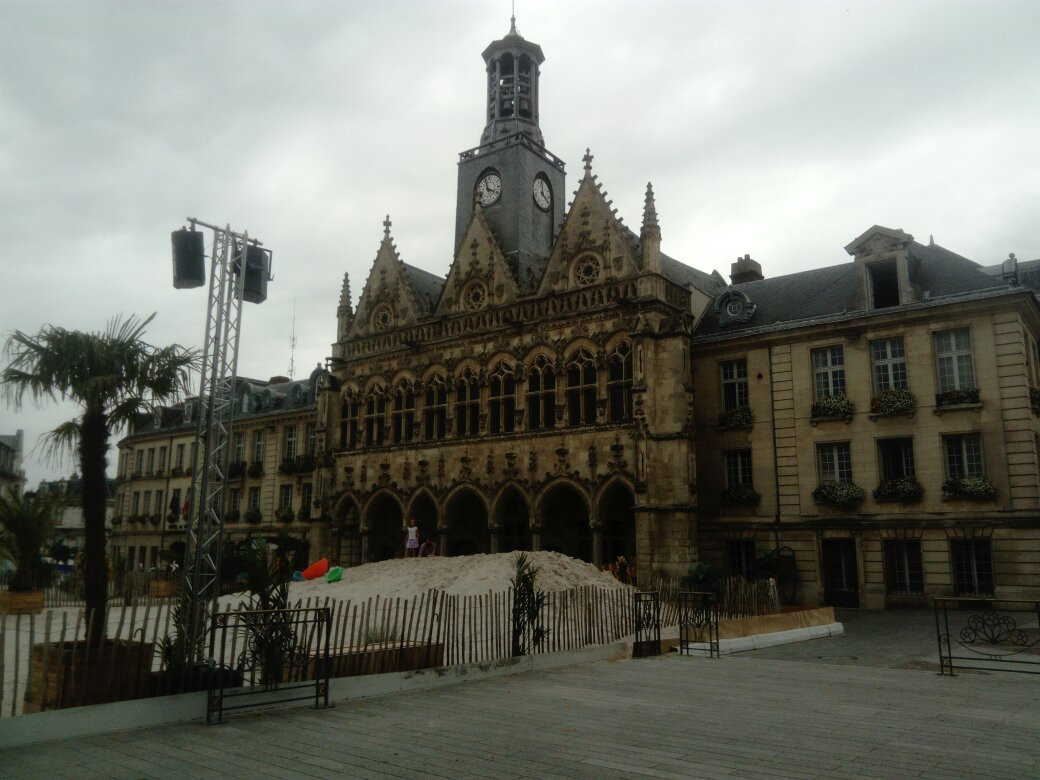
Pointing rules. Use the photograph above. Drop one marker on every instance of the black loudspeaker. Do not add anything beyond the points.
(258, 265)
(189, 259)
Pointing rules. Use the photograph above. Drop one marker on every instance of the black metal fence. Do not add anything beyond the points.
(995, 635)
(647, 610)
(283, 655)
(699, 624)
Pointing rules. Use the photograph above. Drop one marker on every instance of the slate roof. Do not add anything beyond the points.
(683, 274)
(9, 441)
(825, 293)
(1028, 273)
(426, 286)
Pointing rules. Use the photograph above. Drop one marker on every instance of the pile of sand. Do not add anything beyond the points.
(464, 574)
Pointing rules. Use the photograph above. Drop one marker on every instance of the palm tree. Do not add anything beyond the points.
(112, 376)
(25, 527)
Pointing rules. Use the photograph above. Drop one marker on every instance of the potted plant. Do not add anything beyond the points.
(739, 417)
(892, 401)
(976, 487)
(958, 397)
(741, 495)
(844, 494)
(905, 489)
(26, 525)
(837, 405)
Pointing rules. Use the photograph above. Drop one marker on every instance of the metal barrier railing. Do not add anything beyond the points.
(698, 623)
(283, 655)
(647, 610)
(995, 635)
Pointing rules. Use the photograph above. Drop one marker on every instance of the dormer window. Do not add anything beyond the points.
(884, 284)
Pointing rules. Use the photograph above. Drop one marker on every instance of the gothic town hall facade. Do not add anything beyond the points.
(568, 386)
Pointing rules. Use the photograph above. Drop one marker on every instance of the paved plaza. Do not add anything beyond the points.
(851, 706)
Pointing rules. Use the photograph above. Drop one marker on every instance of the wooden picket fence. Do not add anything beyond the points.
(379, 634)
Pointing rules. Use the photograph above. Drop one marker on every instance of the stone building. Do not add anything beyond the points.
(539, 396)
(878, 420)
(269, 490)
(568, 386)
(69, 530)
(12, 476)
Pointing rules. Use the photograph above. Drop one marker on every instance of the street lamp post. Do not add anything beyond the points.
(240, 271)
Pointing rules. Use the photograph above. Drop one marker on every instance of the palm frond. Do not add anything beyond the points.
(61, 442)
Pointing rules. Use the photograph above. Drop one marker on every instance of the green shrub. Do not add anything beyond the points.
(739, 417)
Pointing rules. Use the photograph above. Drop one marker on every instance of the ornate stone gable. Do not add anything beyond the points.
(387, 302)
(479, 276)
(593, 245)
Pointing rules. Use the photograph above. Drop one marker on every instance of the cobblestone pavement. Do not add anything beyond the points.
(740, 716)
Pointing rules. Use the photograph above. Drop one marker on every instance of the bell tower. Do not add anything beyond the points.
(515, 179)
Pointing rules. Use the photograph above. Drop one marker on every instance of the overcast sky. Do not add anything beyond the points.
(778, 129)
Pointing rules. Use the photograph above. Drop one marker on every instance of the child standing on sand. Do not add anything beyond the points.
(411, 542)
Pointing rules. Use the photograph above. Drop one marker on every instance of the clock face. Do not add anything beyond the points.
(542, 194)
(489, 189)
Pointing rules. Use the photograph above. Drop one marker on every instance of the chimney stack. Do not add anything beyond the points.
(745, 270)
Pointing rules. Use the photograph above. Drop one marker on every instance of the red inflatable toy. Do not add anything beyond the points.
(316, 569)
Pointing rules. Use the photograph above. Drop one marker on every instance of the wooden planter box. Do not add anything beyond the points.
(21, 602)
(73, 674)
(162, 588)
(382, 658)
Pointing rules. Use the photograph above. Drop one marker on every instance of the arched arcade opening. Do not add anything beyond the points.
(565, 523)
(467, 524)
(385, 525)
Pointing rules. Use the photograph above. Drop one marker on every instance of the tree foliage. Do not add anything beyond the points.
(26, 524)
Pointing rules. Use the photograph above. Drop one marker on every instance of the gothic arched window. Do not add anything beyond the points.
(435, 410)
(375, 418)
(349, 417)
(501, 399)
(402, 415)
(467, 404)
(581, 388)
(541, 394)
(619, 383)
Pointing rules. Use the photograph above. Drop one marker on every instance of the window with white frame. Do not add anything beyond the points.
(139, 461)
(896, 457)
(734, 384)
(180, 456)
(236, 499)
(162, 459)
(835, 462)
(135, 504)
(828, 372)
(312, 436)
(240, 447)
(254, 498)
(738, 468)
(159, 506)
(151, 460)
(290, 442)
(258, 447)
(963, 455)
(147, 506)
(889, 364)
(285, 497)
(954, 366)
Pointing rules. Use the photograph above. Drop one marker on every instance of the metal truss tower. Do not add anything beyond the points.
(234, 258)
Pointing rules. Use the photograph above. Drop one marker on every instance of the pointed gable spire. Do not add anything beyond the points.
(344, 295)
(386, 228)
(650, 235)
(650, 226)
(587, 160)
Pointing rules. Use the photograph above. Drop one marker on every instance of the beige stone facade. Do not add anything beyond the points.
(882, 550)
(270, 485)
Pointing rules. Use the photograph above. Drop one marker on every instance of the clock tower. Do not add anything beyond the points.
(517, 181)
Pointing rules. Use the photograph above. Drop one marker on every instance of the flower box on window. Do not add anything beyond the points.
(893, 401)
(305, 513)
(839, 494)
(256, 469)
(739, 417)
(905, 489)
(177, 471)
(236, 469)
(253, 516)
(232, 516)
(117, 520)
(285, 515)
(304, 464)
(839, 405)
(288, 466)
(977, 487)
(741, 495)
(957, 397)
